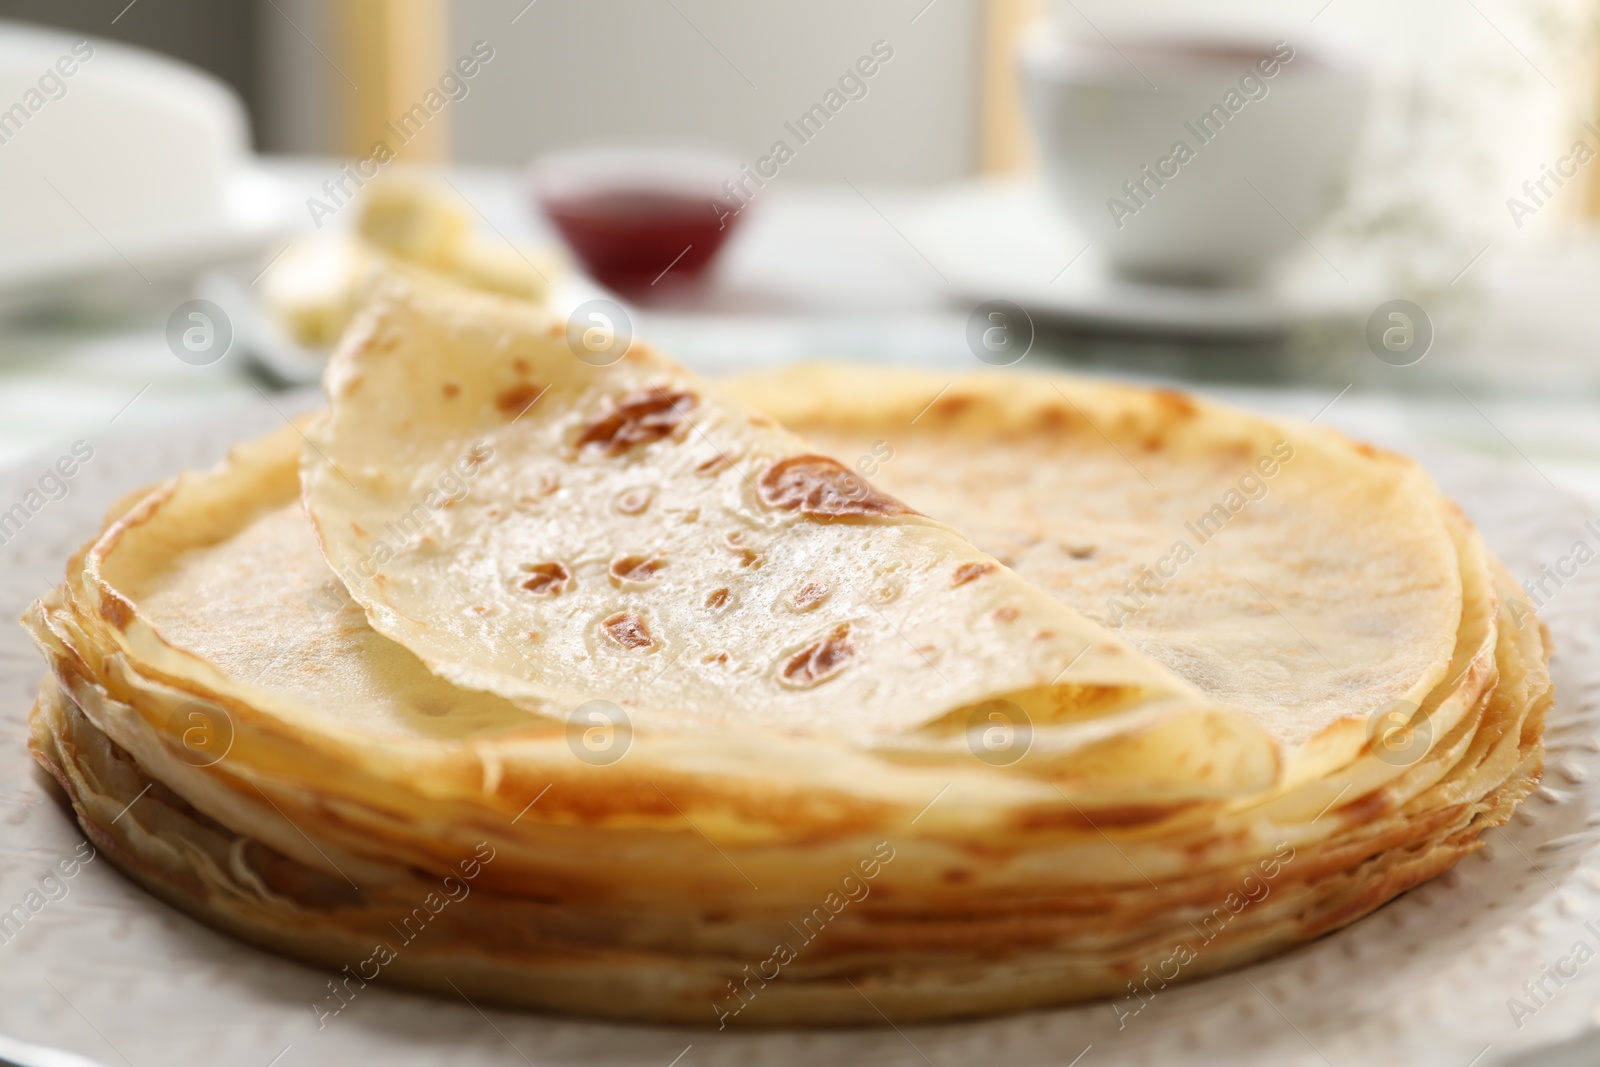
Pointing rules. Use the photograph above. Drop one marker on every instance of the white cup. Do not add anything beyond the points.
(1193, 159)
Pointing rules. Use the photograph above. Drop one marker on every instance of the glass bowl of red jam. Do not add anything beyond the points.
(640, 217)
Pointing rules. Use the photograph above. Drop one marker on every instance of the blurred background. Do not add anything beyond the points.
(1395, 224)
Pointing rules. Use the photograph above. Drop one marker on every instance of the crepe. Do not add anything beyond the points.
(1279, 568)
(629, 533)
(321, 755)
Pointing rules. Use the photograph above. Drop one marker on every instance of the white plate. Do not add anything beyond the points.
(1004, 240)
(108, 972)
(260, 210)
(136, 173)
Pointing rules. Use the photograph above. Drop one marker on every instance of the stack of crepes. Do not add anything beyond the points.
(602, 689)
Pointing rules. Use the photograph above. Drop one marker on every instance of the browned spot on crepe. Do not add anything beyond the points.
(515, 400)
(824, 488)
(971, 572)
(716, 463)
(634, 501)
(627, 630)
(635, 568)
(748, 557)
(810, 595)
(820, 660)
(638, 418)
(546, 579)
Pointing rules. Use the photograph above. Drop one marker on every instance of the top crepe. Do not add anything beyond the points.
(1278, 567)
(552, 531)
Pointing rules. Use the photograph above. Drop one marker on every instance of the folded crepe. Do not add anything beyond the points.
(1183, 675)
(631, 534)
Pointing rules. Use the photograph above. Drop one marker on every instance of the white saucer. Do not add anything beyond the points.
(1004, 240)
(259, 210)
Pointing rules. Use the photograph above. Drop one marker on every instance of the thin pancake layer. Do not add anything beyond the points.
(627, 533)
(1278, 567)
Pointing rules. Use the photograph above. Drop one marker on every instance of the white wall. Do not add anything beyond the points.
(298, 86)
(576, 70)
